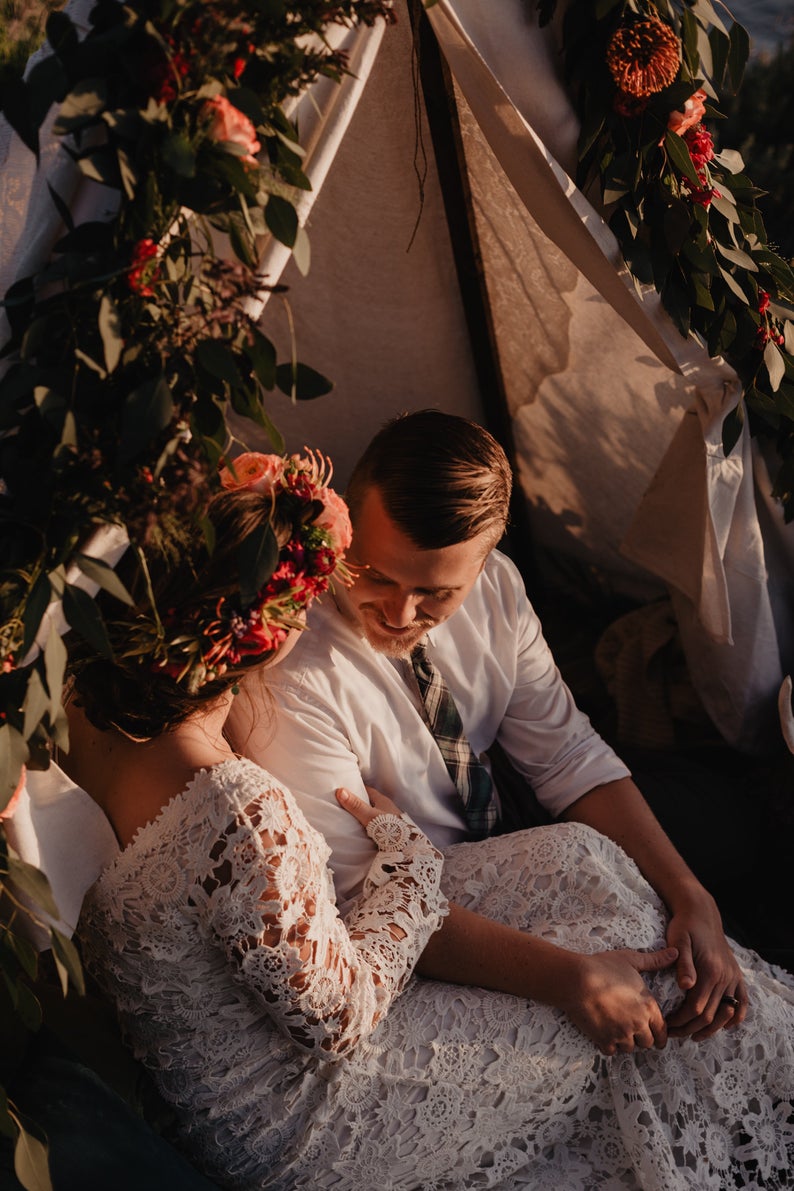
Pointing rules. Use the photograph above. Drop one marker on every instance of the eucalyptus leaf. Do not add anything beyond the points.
(110, 330)
(104, 575)
(61, 34)
(13, 755)
(731, 160)
(733, 285)
(775, 365)
(90, 362)
(737, 257)
(689, 39)
(301, 382)
(69, 430)
(257, 559)
(127, 173)
(26, 954)
(81, 106)
(35, 607)
(702, 294)
(179, 156)
(147, 411)
(678, 153)
(83, 615)
(282, 219)
(720, 46)
(27, 1007)
(218, 361)
(732, 429)
(33, 884)
(301, 252)
(47, 83)
(262, 355)
(31, 1164)
(242, 246)
(100, 165)
(67, 961)
(17, 109)
(707, 15)
(36, 704)
(738, 54)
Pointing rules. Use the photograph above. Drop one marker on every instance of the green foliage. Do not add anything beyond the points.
(686, 218)
(21, 33)
(760, 122)
(131, 348)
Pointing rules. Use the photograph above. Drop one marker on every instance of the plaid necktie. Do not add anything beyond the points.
(470, 776)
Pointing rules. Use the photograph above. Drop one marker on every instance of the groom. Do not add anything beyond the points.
(433, 656)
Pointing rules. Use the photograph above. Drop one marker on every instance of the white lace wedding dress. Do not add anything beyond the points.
(215, 934)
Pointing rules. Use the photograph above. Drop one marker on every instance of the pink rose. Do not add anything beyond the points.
(8, 810)
(227, 124)
(693, 113)
(260, 473)
(334, 519)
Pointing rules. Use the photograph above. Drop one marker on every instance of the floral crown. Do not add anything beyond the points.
(304, 567)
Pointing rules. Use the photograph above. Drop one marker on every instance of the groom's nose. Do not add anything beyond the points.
(399, 609)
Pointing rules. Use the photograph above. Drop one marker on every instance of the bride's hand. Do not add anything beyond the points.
(611, 1003)
(363, 811)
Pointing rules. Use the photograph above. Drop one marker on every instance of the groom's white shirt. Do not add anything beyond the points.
(346, 715)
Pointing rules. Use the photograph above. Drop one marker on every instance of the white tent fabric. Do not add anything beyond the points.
(594, 411)
(615, 417)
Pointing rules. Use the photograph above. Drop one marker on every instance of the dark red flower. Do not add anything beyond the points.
(701, 146)
(143, 271)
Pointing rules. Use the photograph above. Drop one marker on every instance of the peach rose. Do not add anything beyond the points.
(260, 473)
(8, 810)
(335, 519)
(228, 124)
(693, 113)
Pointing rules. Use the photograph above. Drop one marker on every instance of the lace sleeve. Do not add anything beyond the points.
(268, 898)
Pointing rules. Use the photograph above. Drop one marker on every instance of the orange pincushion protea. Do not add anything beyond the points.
(643, 57)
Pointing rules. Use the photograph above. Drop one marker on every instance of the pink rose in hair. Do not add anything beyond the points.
(228, 124)
(693, 113)
(334, 519)
(260, 473)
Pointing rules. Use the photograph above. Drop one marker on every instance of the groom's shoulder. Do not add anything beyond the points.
(325, 640)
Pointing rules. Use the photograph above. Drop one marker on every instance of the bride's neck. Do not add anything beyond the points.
(131, 779)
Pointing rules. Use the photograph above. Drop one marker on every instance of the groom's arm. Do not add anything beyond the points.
(706, 968)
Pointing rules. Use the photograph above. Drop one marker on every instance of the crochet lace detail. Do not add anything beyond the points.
(217, 937)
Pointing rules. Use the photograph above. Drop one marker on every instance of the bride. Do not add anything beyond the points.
(296, 1046)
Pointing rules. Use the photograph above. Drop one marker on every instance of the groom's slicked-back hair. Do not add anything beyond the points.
(442, 479)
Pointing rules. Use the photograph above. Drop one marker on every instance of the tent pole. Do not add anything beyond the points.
(443, 121)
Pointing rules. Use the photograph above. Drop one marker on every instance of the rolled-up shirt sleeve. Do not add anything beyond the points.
(545, 735)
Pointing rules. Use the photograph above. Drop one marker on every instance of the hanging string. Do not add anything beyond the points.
(420, 163)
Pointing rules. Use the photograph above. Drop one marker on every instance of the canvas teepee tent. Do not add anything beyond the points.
(508, 302)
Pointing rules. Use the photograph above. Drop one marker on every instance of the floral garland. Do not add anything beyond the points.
(644, 75)
(202, 648)
(132, 347)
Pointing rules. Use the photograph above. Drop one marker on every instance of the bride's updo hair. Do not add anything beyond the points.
(191, 632)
